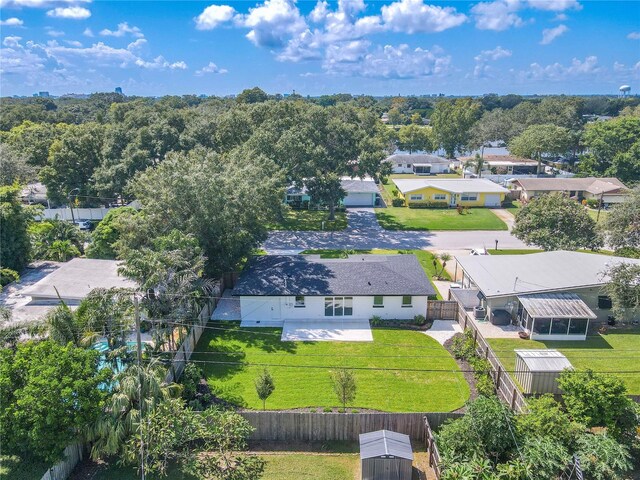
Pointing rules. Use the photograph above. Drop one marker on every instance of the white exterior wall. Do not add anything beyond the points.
(265, 308)
(402, 168)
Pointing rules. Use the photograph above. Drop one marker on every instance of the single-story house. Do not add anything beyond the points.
(552, 295)
(418, 163)
(275, 288)
(506, 165)
(72, 281)
(609, 190)
(471, 192)
(361, 192)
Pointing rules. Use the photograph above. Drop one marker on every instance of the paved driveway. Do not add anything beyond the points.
(327, 331)
(364, 233)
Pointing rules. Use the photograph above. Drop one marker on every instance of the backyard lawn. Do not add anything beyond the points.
(404, 218)
(602, 353)
(594, 214)
(301, 370)
(298, 220)
(424, 257)
(13, 468)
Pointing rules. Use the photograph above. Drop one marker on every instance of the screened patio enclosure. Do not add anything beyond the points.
(554, 316)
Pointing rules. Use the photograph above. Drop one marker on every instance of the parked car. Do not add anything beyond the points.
(83, 224)
(479, 251)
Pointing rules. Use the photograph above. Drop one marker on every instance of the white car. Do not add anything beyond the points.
(83, 224)
(479, 251)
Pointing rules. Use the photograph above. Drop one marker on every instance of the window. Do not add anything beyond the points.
(415, 197)
(299, 302)
(559, 326)
(440, 196)
(406, 300)
(378, 301)
(541, 326)
(338, 306)
(469, 197)
(578, 326)
(604, 302)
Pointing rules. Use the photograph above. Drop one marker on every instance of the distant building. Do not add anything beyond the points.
(119, 90)
(384, 118)
(418, 163)
(43, 94)
(608, 190)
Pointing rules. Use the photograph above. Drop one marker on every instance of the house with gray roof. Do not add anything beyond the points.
(552, 295)
(360, 192)
(418, 163)
(608, 190)
(276, 288)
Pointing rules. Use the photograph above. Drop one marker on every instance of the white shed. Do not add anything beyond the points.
(537, 371)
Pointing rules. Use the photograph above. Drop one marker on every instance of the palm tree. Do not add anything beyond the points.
(138, 389)
(444, 258)
(477, 164)
(62, 250)
(63, 326)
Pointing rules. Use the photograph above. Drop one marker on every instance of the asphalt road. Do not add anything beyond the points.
(364, 233)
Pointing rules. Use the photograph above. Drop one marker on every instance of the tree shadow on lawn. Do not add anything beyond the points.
(390, 222)
(594, 342)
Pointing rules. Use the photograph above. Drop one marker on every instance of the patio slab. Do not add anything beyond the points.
(327, 331)
(228, 307)
(443, 330)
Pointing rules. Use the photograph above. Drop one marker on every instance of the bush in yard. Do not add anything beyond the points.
(264, 387)
(397, 202)
(344, 384)
(190, 379)
(420, 320)
(463, 346)
(602, 457)
(547, 418)
(429, 204)
(7, 276)
(592, 203)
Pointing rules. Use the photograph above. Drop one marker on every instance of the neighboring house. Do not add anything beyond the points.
(465, 192)
(609, 190)
(552, 295)
(504, 165)
(275, 288)
(384, 118)
(418, 163)
(35, 193)
(361, 192)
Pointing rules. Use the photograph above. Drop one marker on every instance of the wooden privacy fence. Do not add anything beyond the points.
(61, 470)
(432, 449)
(322, 427)
(506, 388)
(441, 310)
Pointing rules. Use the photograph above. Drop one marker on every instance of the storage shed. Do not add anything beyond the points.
(537, 371)
(386, 455)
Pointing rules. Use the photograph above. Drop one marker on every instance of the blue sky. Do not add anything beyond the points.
(320, 47)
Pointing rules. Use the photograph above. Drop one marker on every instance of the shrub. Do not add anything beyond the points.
(484, 385)
(463, 346)
(355, 411)
(592, 203)
(189, 381)
(384, 180)
(327, 409)
(419, 320)
(628, 252)
(394, 192)
(397, 202)
(430, 204)
(460, 209)
(375, 321)
(7, 276)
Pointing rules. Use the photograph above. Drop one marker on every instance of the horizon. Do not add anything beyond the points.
(388, 48)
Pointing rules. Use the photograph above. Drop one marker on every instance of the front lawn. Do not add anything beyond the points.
(299, 220)
(425, 258)
(301, 370)
(613, 352)
(594, 214)
(514, 207)
(404, 218)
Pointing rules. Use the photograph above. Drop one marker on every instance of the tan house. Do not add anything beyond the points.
(608, 190)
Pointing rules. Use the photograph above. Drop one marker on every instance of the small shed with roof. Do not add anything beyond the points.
(537, 370)
(386, 455)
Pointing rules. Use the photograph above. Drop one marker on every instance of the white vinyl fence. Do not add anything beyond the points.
(78, 213)
(61, 471)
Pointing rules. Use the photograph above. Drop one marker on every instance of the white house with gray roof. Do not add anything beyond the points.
(552, 295)
(277, 288)
(360, 192)
(418, 163)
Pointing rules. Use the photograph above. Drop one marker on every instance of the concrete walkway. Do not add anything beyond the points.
(443, 330)
(327, 331)
(364, 233)
(506, 216)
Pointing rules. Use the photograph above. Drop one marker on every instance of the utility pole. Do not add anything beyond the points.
(139, 342)
(599, 207)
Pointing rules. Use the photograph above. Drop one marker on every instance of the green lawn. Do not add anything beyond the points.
(301, 370)
(602, 353)
(404, 218)
(515, 207)
(594, 214)
(303, 466)
(424, 257)
(298, 220)
(411, 175)
(14, 468)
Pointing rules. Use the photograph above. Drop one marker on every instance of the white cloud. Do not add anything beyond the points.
(211, 68)
(88, 32)
(159, 63)
(559, 72)
(38, 3)
(561, 17)
(413, 16)
(482, 68)
(213, 16)
(319, 12)
(137, 44)
(122, 30)
(53, 33)
(11, 22)
(498, 15)
(634, 36)
(550, 34)
(11, 42)
(395, 62)
(273, 23)
(73, 13)
(73, 43)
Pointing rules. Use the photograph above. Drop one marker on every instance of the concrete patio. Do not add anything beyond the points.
(327, 331)
(443, 330)
(228, 308)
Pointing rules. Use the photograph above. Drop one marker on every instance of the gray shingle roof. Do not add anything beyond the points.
(359, 185)
(385, 443)
(405, 158)
(556, 305)
(274, 275)
(589, 184)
